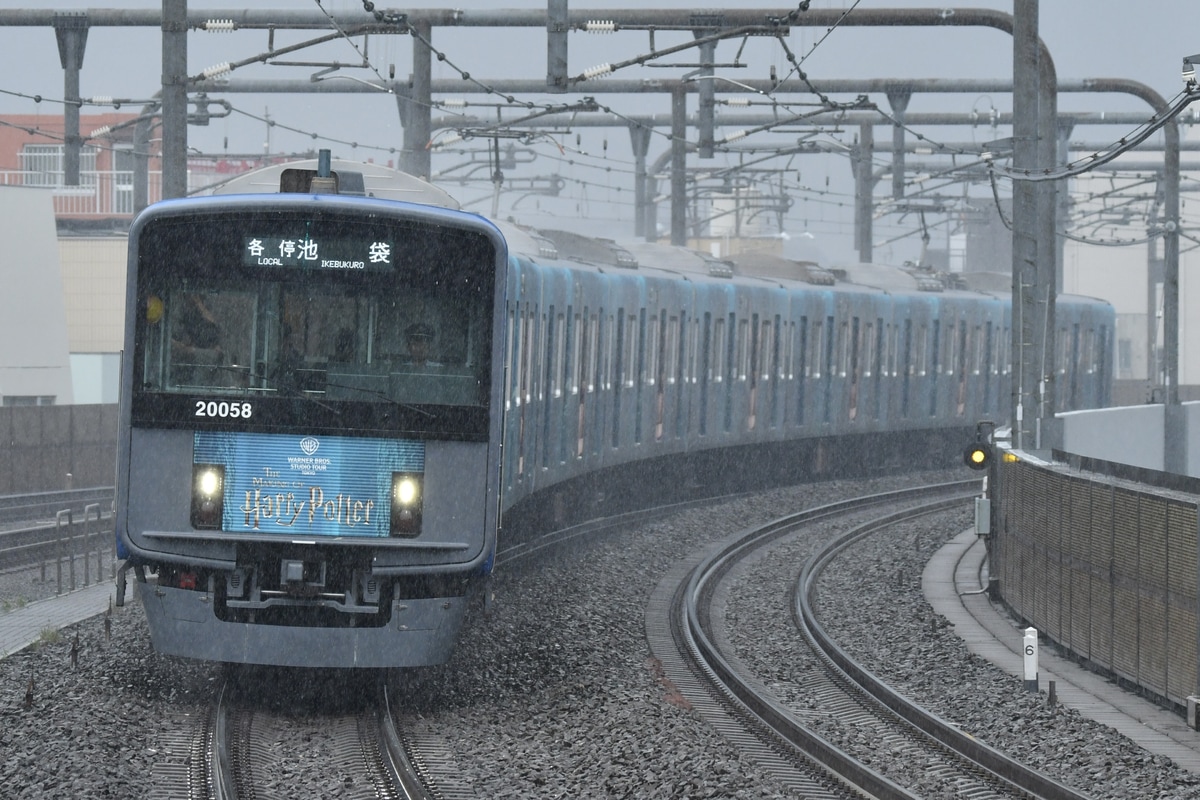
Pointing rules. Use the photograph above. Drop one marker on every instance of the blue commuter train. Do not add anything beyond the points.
(316, 477)
(308, 486)
(677, 368)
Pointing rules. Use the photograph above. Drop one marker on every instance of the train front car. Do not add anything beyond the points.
(308, 456)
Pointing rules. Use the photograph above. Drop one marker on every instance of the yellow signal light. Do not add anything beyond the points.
(978, 456)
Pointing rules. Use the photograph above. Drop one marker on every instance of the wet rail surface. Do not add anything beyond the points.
(685, 635)
(19, 510)
(242, 749)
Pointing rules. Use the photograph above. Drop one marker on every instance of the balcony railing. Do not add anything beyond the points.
(100, 194)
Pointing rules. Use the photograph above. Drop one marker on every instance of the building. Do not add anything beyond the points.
(34, 362)
(86, 275)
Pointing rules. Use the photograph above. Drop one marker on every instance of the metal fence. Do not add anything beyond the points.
(50, 554)
(1104, 567)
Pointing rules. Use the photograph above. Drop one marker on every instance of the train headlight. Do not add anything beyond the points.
(208, 484)
(978, 456)
(406, 503)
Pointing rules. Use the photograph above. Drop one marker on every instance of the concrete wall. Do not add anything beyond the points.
(1132, 435)
(34, 360)
(41, 446)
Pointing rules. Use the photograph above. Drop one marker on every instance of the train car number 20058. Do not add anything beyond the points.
(223, 408)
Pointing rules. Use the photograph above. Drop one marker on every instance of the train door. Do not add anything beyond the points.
(961, 358)
(851, 335)
(628, 297)
(556, 350)
(987, 372)
(665, 356)
(875, 363)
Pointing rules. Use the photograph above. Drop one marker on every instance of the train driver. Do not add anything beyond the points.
(419, 337)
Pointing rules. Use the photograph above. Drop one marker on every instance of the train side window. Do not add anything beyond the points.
(592, 354)
(629, 360)
(869, 351)
(671, 349)
(1064, 351)
(606, 337)
(921, 350)
(977, 345)
(524, 385)
(693, 347)
(716, 371)
(511, 397)
(999, 364)
(906, 366)
(559, 353)
(570, 352)
(802, 369)
(843, 349)
(900, 342)
(750, 373)
(889, 366)
(769, 342)
(818, 337)
(652, 350)
(935, 362)
(962, 366)
(987, 348)
(541, 357)
(953, 348)
(787, 367)
(853, 370)
(576, 351)
(679, 370)
(827, 352)
(742, 366)
(966, 341)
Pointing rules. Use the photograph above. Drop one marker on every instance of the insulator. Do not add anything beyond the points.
(454, 103)
(216, 70)
(453, 138)
(102, 100)
(738, 101)
(600, 26)
(733, 137)
(103, 130)
(597, 71)
(220, 26)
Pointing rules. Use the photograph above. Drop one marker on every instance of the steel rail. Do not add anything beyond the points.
(43, 505)
(1008, 770)
(398, 766)
(222, 782)
(778, 719)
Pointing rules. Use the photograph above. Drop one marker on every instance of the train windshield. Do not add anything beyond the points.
(333, 309)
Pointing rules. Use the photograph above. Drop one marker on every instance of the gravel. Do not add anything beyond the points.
(556, 694)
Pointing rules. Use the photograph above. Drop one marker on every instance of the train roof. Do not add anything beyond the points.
(377, 181)
(566, 247)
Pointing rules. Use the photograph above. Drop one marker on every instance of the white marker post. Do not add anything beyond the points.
(1030, 650)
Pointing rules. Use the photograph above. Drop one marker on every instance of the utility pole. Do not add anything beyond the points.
(174, 98)
(71, 30)
(1025, 301)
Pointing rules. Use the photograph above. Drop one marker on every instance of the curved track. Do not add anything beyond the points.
(781, 736)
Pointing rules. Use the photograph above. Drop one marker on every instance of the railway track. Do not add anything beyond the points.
(56, 527)
(686, 635)
(242, 749)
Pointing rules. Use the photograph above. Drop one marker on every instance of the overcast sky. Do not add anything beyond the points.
(1144, 42)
